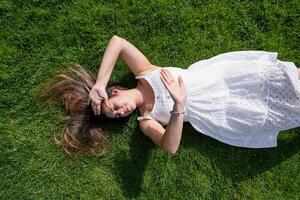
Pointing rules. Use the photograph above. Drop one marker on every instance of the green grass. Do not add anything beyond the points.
(40, 38)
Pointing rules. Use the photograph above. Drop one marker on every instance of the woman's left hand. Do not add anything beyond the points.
(176, 89)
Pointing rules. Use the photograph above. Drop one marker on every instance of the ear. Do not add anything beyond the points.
(115, 91)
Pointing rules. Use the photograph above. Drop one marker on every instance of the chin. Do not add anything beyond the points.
(131, 107)
(131, 111)
(128, 113)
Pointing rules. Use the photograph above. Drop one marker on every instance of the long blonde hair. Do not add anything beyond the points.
(82, 132)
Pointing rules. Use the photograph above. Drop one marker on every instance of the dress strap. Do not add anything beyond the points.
(148, 74)
(143, 118)
(138, 77)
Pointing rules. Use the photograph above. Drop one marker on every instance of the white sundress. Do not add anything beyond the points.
(241, 98)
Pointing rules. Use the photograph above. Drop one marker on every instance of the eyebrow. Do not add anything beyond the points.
(110, 110)
(108, 107)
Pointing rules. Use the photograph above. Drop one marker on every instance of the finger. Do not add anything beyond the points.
(165, 83)
(180, 81)
(98, 109)
(169, 74)
(93, 99)
(93, 107)
(168, 77)
(99, 97)
(164, 78)
(164, 74)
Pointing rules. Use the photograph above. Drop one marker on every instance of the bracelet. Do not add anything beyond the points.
(177, 113)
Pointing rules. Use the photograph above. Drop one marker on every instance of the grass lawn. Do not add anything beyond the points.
(41, 37)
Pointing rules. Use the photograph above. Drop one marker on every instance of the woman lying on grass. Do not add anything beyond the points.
(241, 98)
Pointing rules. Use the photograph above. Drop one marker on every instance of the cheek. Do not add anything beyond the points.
(119, 102)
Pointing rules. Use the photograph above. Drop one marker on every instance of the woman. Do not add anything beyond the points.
(242, 98)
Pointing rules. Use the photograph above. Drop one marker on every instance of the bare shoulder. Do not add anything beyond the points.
(150, 69)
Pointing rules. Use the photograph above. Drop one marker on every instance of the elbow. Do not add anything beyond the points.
(115, 37)
(169, 150)
(118, 41)
(172, 152)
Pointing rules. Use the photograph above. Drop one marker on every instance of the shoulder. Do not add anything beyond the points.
(148, 70)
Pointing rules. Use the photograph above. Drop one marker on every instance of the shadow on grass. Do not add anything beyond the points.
(130, 166)
(242, 163)
(236, 163)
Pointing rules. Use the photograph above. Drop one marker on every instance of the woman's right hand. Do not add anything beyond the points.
(97, 95)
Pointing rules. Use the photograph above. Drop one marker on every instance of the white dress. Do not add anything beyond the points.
(242, 98)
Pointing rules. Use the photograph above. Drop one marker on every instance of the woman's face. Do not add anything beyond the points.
(119, 105)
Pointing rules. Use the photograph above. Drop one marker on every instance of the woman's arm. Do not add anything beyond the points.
(135, 60)
(167, 139)
(109, 60)
(119, 47)
(172, 137)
